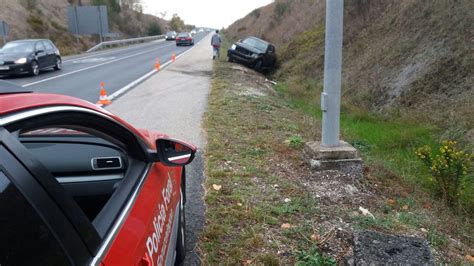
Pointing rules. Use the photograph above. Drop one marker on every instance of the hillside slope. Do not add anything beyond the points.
(401, 58)
(48, 19)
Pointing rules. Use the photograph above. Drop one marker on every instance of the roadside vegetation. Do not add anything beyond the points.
(255, 213)
(48, 19)
(264, 205)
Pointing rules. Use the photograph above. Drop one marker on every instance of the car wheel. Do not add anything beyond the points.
(181, 241)
(230, 59)
(258, 66)
(59, 63)
(34, 71)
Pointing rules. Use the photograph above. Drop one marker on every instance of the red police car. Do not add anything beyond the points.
(79, 186)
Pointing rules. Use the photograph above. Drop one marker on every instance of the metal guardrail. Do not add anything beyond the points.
(108, 44)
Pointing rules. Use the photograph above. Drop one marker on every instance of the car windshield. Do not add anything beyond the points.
(183, 35)
(18, 47)
(170, 33)
(260, 45)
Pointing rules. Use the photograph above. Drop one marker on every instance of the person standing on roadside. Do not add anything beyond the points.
(216, 44)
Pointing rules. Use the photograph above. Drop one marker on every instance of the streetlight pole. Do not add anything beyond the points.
(331, 97)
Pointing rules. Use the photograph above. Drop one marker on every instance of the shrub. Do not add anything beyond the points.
(295, 141)
(36, 23)
(154, 29)
(29, 4)
(281, 8)
(313, 257)
(255, 13)
(449, 168)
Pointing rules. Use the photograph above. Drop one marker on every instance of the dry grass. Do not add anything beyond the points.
(253, 139)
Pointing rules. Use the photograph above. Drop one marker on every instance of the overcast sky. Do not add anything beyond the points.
(204, 13)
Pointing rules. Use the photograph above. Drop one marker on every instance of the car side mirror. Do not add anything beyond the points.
(174, 152)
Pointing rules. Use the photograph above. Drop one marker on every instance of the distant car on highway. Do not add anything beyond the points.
(171, 35)
(79, 186)
(29, 56)
(253, 52)
(184, 38)
(193, 32)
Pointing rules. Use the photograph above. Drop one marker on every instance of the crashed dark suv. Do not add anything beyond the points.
(253, 52)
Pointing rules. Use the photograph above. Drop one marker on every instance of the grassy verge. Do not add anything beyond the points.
(388, 145)
(255, 213)
(263, 206)
(385, 142)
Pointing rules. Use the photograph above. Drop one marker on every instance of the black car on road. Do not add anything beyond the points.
(29, 56)
(171, 35)
(253, 52)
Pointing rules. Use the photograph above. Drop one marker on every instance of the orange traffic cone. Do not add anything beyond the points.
(173, 57)
(103, 99)
(157, 64)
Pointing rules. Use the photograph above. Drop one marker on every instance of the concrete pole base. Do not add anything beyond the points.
(343, 158)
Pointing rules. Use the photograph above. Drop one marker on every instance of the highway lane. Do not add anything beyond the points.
(81, 75)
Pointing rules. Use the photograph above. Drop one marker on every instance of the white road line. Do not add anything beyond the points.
(107, 52)
(90, 67)
(144, 77)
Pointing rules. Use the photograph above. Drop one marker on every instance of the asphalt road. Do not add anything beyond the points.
(173, 101)
(81, 75)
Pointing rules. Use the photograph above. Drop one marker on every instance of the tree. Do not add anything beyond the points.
(154, 29)
(132, 4)
(176, 23)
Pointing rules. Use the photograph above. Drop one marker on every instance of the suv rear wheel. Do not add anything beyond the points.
(258, 66)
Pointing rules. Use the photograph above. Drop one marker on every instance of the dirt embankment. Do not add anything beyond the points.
(401, 58)
(48, 19)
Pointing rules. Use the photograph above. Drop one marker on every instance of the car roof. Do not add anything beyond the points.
(19, 101)
(30, 40)
(10, 88)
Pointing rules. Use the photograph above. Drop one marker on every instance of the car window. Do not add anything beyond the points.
(18, 47)
(271, 49)
(39, 46)
(47, 45)
(183, 35)
(94, 161)
(262, 46)
(24, 239)
(88, 167)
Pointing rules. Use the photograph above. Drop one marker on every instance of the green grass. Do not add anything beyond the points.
(390, 142)
(313, 257)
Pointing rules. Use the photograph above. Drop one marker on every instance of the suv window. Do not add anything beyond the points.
(48, 45)
(24, 239)
(271, 49)
(256, 43)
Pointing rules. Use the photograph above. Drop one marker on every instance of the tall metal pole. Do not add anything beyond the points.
(5, 33)
(331, 97)
(76, 23)
(101, 33)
